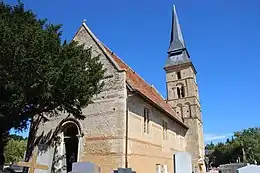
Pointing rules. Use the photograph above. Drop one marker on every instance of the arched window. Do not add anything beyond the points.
(178, 75)
(180, 91)
(70, 130)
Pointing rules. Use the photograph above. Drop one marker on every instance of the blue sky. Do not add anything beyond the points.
(222, 38)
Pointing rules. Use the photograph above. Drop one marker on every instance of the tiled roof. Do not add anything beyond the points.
(143, 88)
(136, 82)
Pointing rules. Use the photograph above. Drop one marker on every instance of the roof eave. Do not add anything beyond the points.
(129, 87)
(180, 66)
(161, 109)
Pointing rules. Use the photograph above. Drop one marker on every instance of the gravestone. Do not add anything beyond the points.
(7, 170)
(231, 168)
(124, 170)
(45, 157)
(41, 164)
(249, 169)
(164, 169)
(85, 167)
(182, 162)
(16, 168)
(158, 168)
(161, 168)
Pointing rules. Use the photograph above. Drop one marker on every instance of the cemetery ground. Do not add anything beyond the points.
(224, 157)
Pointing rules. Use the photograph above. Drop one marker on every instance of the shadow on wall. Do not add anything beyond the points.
(51, 139)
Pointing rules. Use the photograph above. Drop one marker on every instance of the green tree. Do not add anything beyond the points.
(244, 146)
(15, 137)
(218, 156)
(249, 142)
(15, 150)
(38, 73)
(210, 146)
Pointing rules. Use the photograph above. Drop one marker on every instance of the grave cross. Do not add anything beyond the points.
(33, 165)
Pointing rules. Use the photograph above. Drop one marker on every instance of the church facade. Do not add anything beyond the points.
(129, 124)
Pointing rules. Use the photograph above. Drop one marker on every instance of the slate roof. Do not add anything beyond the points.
(177, 41)
(144, 89)
(177, 52)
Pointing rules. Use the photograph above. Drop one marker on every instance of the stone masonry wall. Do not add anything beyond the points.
(103, 129)
(187, 107)
(147, 150)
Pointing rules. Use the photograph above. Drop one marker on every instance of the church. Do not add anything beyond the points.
(129, 124)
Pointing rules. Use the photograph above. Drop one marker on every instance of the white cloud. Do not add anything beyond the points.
(214, 137)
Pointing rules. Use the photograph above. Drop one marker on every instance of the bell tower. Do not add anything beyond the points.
(182, 92)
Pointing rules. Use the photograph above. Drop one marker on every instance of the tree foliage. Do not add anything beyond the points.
(40, 74)
(249, 141)
(244, 146)
(15, 149)
(16, 137)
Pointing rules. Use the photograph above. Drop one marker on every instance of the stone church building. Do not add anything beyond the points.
(129, 124)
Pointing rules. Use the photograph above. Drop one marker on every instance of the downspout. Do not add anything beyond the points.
(132, 92)
(126, 135)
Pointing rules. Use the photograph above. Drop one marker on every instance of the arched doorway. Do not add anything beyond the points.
(71, 141)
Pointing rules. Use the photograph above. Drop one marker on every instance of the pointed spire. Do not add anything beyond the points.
(177, 52)
(177, 41)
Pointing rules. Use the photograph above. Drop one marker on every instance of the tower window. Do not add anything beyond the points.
(146, 120)
(182, 91)
(178, 75)
(178, 92)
